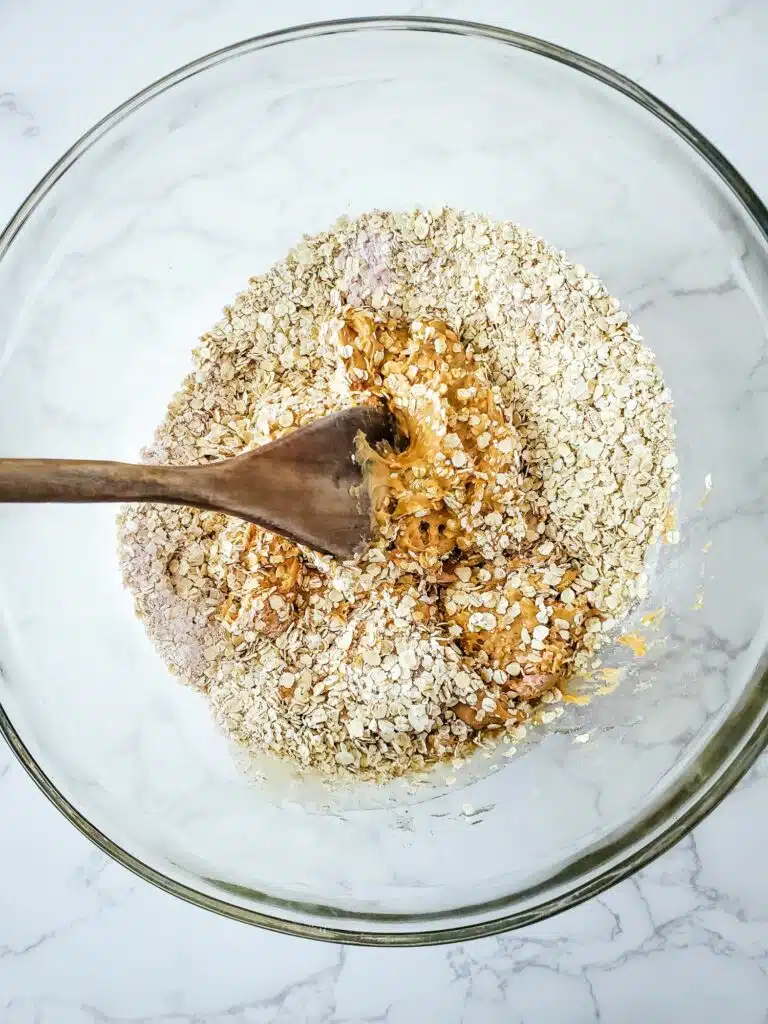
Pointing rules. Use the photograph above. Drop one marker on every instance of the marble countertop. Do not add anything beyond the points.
(84, 941)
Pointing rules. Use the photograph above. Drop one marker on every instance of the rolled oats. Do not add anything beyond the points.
(512, 530)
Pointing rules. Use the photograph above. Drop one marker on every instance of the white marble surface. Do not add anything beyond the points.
(82, 940)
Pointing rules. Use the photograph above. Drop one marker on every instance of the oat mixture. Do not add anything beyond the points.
(512, 530)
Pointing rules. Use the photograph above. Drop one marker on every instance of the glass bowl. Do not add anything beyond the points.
(128, 249)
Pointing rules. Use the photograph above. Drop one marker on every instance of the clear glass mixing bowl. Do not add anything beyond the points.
(127, 250)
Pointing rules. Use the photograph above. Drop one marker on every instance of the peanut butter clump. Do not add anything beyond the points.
(454, 501)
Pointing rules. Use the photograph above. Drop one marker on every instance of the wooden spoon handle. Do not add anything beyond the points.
(74, 480)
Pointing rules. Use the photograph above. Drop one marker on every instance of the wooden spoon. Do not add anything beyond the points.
(307, 485)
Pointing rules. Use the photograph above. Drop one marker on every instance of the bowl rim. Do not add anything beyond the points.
(670, 818)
